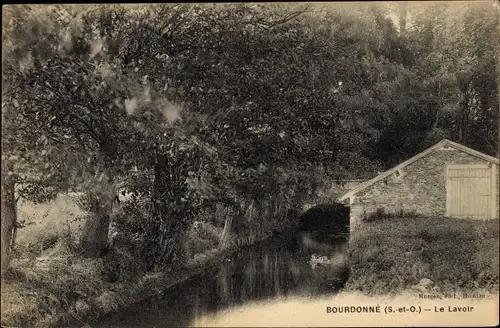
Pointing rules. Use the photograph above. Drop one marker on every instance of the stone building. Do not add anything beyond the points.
(447, 179)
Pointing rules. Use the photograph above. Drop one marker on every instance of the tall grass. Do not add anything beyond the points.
(44, 223)
(47, 276)
(393, 254)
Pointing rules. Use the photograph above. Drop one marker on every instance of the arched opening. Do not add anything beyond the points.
(327, 218)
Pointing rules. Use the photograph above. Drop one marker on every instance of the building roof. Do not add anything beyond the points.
(442, 143)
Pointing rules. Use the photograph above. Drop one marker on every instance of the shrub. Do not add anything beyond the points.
(381, 214)
(378, 215)
(201, 237)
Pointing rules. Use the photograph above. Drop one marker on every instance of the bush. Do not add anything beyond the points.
(381, 214)
(201, 237)
(129, 252)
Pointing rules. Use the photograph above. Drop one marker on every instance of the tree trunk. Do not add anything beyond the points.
(440, 105)
(9, 217)
(94, 238)
(402, 18)
(159, 187)
(159, 201)
(497, 38)
(226, 232)
(463, 117)
(164, 229)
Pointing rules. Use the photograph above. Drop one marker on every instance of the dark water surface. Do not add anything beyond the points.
(298, 264)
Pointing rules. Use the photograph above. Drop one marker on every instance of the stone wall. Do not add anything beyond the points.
(419, 187)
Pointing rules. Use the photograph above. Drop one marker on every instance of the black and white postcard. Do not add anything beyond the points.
(273, 164)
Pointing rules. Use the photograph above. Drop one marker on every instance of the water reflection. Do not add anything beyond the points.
(303, 264)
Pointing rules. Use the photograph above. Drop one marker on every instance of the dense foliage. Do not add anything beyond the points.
(231, 115)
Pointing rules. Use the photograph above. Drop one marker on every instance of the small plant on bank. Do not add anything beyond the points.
(382, 214)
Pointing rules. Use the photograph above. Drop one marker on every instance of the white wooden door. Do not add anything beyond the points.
(470, 191)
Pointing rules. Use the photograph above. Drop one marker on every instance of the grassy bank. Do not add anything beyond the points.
(51, 285)
(396, 252)
(70, 291)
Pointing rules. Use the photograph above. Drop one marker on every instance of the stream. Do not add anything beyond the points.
(296, 264)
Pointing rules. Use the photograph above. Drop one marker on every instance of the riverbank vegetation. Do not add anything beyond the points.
(183, 131)
(396, 252)
(50, 284)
